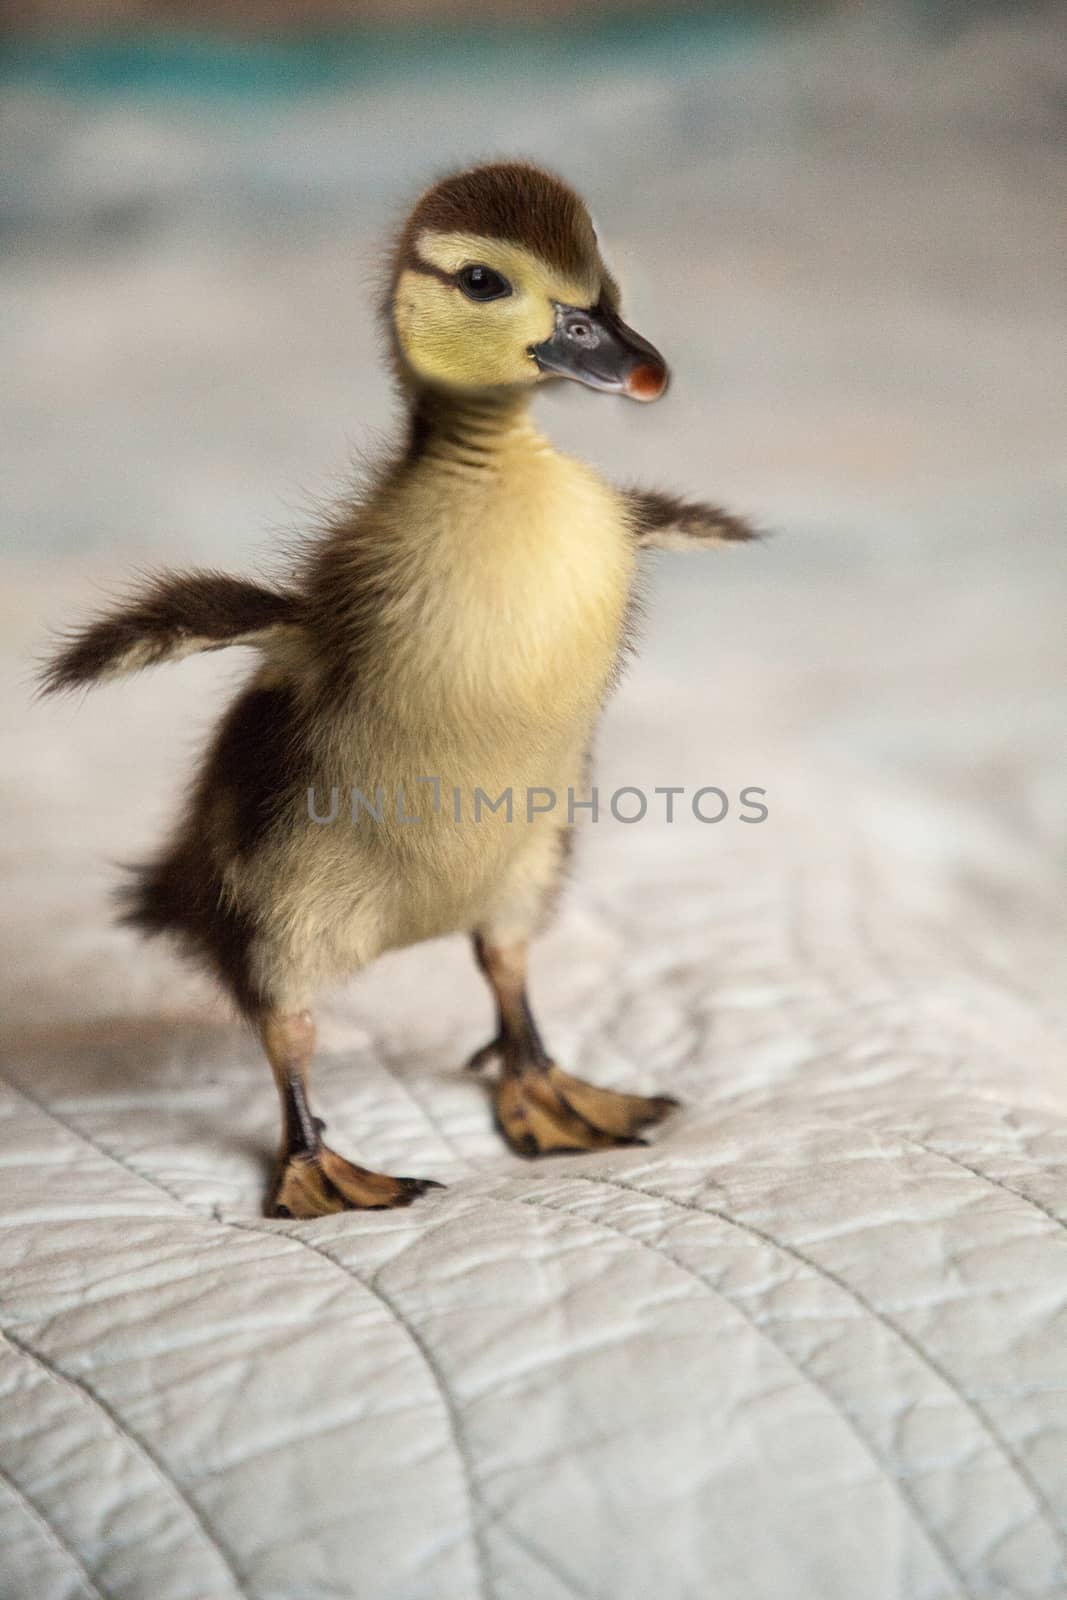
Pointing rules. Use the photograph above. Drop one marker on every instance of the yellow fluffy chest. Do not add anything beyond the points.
(526, 577)
(500, 601)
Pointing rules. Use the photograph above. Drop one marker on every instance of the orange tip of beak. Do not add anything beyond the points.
(647, 382)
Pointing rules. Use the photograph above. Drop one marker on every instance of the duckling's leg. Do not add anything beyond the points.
(539, 1108)
(312, 1180)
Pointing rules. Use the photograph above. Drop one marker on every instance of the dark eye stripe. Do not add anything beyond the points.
(417, 264)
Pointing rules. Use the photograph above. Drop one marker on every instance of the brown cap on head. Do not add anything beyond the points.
(513, 201)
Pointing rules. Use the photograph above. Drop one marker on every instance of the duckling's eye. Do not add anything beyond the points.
(482, 283)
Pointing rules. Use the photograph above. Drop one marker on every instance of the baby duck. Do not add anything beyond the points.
(452, 632)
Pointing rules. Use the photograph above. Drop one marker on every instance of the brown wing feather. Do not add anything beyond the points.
(173, 615)
(662, 522)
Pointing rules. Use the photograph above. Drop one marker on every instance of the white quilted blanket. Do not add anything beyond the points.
(811, 1344)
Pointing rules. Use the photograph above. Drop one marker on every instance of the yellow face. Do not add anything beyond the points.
(471, 330)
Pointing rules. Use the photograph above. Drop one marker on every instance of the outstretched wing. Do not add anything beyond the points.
(173, 615)
(661, 522)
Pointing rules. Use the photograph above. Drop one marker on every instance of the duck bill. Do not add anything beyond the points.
(595, 347)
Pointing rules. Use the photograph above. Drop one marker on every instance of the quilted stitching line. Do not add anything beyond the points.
(69, 1554)
(746, 1099)
(954, 1160)
(979, 962)
(887, 969)
(974, 1407)
(969, 1404)
(975, 961)
(898, 1484)
(95, 1144)
(466, 1465)
(426, 1114)
(382, 1057)
(448, 1404)
(977, 1172)
(147, 1454)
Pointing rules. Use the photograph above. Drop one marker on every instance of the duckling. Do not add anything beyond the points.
(452, 631)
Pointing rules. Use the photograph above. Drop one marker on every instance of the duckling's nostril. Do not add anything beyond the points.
(580, 331)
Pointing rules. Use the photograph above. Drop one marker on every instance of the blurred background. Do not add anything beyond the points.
(844, 223)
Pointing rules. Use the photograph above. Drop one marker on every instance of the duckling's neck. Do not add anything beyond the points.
(469, 433)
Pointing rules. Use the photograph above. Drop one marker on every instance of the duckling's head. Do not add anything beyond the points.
(498, 284)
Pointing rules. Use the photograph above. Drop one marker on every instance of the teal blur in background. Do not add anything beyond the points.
(839, 222)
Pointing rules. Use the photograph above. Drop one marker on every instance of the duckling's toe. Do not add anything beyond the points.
(545, 1111)
(622, 1115)
(322, 1183)
(490, 1055)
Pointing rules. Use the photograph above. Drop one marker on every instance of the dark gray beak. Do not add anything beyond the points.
(595, 347)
